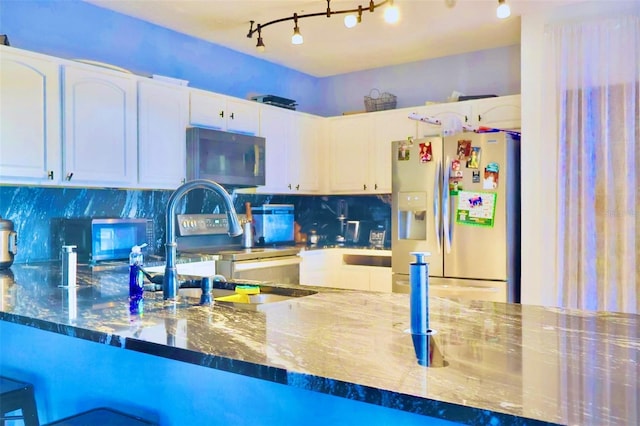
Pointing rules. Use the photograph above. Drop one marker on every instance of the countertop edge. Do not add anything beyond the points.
(356, 392)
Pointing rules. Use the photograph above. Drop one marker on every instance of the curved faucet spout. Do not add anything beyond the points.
(170, 285)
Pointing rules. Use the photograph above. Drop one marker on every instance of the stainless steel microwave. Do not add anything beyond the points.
(102, 239)
(226, 158)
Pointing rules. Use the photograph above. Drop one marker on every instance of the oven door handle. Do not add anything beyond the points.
(247, 265)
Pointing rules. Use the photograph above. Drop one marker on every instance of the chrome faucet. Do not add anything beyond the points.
(170, 285)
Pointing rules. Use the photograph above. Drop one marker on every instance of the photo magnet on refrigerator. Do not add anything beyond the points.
(425, 152)
(473, 162)
(491, 176)
(403, 152)
(464, 149)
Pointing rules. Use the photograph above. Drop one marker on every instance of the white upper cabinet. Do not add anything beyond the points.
(276, 127)
(351, 140)
(452, 115)
(29, 118)
(389, 126)
(360, 161)
(163, 114)
(503, 112)
(100, 117)
(306, 154)
(293, 151)
(222, 112)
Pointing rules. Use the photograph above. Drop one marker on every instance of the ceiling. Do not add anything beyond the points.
(427, 29)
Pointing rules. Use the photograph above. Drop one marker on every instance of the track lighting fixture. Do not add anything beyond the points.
(503, 11)
(260, 44)
(391, 16)
(296, 38)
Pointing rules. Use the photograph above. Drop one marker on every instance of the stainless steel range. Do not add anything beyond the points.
(207, 234)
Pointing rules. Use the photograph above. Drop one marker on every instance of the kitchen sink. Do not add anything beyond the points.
(267, 295)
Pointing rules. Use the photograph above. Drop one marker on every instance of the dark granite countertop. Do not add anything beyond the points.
(504, 363)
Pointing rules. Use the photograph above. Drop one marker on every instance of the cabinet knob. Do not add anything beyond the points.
(232, 115)
(297, 187)
(289, 186)
(364, 186)
(479, 118)
(69, 176)
(50, 175)
(222, 114)
(375, 186)
(466, 119)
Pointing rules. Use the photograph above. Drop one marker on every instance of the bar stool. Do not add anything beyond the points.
(16, 395)
(104, 417)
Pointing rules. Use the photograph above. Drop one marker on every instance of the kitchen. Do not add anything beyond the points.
(127, 198)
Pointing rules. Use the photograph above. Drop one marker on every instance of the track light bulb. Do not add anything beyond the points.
(260, 46)
(503, 11)
(296, 38)
(350, 21)
(391, 13)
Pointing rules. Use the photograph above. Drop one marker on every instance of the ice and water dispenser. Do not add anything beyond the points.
(412, 215)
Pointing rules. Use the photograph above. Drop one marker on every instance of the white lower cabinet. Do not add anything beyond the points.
(163, 114)
(332, 268)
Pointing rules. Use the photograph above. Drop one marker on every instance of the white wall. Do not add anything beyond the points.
(539, 147)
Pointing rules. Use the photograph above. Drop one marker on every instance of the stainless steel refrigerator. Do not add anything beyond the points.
(458, 197)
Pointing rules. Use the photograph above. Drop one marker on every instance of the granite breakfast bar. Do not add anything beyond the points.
(334, 357)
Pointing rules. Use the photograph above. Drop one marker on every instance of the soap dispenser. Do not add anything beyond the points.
(136, 279)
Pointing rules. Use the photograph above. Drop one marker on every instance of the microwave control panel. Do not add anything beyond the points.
(202, 224)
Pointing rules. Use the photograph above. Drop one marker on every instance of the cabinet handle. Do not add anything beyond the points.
(466, 119)
(375, 186)
(364, 186)
(69, 176)
(232, 115)
(479, 118)
(50, 175)
(289, 186)
(222, 114)
(297, 187)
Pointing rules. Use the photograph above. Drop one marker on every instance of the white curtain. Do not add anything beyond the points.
(597, 69)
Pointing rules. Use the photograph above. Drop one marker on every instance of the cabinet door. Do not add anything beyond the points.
(100, 119)
(305, 154)
(503, 112)
(275, 127)
(207, 109)
(452, 115)
(162, 122)
(389, 126)
(380, 279)
(242, 116)
(351, 139)
(29, 118)
(222, 112)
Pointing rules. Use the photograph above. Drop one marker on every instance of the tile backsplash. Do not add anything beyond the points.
(33, 211)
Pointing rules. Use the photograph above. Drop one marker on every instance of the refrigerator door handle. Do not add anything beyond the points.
(436, 203)
(445, 205)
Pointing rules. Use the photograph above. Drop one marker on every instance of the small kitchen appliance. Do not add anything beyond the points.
(104, 239)
(274, 224)
(8, 243)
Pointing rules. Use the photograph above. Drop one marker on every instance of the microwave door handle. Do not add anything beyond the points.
(436, 203)
(445, 205)
(256, 155)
